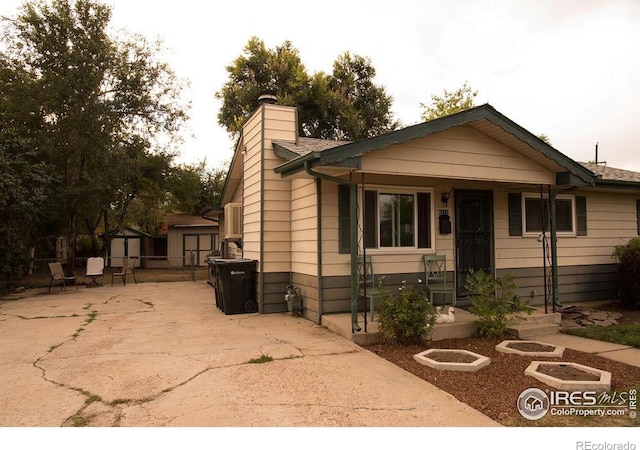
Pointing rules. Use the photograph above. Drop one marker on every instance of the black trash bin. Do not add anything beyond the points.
(213, 280)
(234, 283)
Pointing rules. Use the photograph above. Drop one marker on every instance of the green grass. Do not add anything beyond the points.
(262, 359)
(619, 334)
(79, 421)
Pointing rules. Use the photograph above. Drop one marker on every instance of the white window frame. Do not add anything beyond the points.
(571, 233)
(386, 189)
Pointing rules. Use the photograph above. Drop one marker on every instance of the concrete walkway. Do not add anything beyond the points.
(163, 355)
(615, 352)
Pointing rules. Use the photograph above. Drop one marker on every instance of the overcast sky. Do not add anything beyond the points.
(569, 69)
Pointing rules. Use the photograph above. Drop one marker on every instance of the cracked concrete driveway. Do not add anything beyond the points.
(162, 354)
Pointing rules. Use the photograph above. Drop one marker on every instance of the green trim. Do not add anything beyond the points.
(617, 184)
(356, 150)
(319, 247)
(283, 152)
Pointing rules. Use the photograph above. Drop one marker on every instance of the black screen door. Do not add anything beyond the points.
(474, 234)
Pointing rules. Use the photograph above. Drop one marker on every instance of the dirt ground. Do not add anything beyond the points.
(494, 389)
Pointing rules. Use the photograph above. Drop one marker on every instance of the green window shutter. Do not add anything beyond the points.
(581, 216)
(371, 219)
(515, 214)
(424, 220)
(638, 214)
(344, 219)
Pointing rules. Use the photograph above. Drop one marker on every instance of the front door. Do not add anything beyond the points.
(474, 234)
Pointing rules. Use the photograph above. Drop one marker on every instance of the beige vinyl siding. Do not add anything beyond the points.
(279, 124)
(459, 153)
(611, 220)
(265, 194)
(251, 192)
(334, 262)
(304, 220)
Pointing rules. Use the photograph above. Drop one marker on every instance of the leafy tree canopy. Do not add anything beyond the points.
(449, 103)
(345, 105)
(104, 112)
(193, 188)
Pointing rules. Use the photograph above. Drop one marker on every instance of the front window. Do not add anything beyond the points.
(397, 228)
(536, 214)
(398, 219)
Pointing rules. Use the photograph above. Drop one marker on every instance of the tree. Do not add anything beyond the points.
(25, 181)
(257, 69)
(543, 137)
(107, 107)
(358, 108)
(345, 105)
(192, 187)
(450, 103)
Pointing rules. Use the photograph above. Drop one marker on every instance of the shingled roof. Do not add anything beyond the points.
(611, 175)
(303, 146)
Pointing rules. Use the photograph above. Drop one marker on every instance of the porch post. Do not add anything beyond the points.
(353, 219)
(353, 232)
(554, 249)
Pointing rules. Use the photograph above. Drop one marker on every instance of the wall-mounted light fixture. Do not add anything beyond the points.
(444, 198)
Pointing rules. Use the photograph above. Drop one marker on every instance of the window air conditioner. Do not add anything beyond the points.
(233, 221)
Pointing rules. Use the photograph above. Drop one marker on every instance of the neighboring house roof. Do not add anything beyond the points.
(186, 221)
(484, 118)
(610, 176)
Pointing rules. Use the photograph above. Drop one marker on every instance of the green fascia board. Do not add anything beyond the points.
(284, 153)
(618, 184)
(296, 165)
(482, 112)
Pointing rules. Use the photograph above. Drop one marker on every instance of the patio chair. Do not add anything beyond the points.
(435, 272)
(367, 286)
(58, 274)
(127, 267)
(95, 269)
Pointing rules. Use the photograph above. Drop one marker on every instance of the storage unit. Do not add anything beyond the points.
(234, 283)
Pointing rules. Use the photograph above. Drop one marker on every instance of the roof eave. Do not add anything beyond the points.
(283, 152)
(621, 184)
(296, 165)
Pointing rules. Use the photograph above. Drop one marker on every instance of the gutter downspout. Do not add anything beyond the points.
(353, 228)
(319, 225)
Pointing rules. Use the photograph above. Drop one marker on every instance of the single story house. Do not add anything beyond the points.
(473, 186)
(190, 234)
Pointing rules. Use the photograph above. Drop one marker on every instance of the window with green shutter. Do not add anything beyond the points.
(581, 216)
(638, 214)
(515, 214)
(344, 219)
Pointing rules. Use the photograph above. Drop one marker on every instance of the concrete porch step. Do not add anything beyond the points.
(529, 330)
(539, 317)
(456, 330)
(465, 326)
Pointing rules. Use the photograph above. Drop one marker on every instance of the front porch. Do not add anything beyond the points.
(465, 326)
